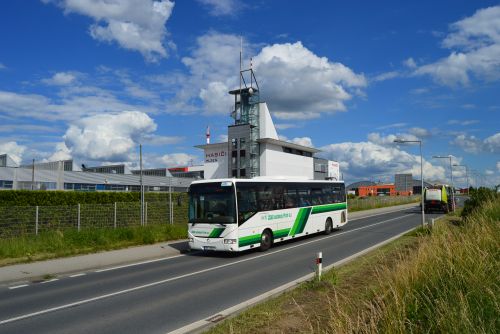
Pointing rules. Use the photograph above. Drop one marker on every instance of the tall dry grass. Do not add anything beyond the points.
(450, 284)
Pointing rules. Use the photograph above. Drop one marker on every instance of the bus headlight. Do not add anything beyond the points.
(230, 241)
(191, 239)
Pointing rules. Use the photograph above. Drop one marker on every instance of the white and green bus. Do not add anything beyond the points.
(239, 214)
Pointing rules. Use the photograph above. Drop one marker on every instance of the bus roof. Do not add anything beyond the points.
(262, 180)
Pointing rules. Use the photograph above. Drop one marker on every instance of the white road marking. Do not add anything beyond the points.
(18, 286)
(137, 263)
(77, 275)
(50, 280)
(140, 287)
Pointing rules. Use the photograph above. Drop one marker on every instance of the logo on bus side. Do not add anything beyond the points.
(199, 232)
(276, 216)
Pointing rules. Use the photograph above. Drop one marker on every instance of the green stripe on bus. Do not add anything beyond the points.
(281, 233)
(329, 207)
(300, 221)
(305, 217)
(249, 240)
(296, 223)
(216, 232)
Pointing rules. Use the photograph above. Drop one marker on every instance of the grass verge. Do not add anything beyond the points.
(445, 281)
(375, 202)
(53, 244)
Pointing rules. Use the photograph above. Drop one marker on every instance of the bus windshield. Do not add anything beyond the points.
(212, 203)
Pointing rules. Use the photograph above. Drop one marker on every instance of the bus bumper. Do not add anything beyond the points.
(213, 244)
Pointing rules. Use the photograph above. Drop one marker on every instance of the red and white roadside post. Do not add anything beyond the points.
(319, 265)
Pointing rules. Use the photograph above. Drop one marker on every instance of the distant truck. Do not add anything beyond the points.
(438, 198)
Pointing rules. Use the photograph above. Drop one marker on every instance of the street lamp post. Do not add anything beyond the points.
(451, 178)
(402, 141)
(466, 175)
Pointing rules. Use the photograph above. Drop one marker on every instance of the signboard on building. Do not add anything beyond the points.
(333, 170)
(216, 161)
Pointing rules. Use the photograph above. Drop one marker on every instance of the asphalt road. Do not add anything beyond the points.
(162, 296)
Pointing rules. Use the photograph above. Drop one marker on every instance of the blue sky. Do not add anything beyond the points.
(91, 79)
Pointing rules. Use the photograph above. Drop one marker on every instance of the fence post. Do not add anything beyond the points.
(145, 213)
(78, 217)
(36, 220)
(114, 218)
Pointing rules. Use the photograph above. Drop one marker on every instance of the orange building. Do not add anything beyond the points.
(380, 190)
(377, 190)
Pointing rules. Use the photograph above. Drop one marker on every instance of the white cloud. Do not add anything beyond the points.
(380, 139)
(157, 140)
(72, 104)
(299, 84)
(222, 7)
(419, 132)
(176, 159)
(468, 106)
(2, 66)
(109, 137)
(489, 172)
(304, 141)
(410, 63)
(364, 160)
(13, 149)
(475, 45)
(222, 138)
(469, 144)
(284, 126)
(134, 24)
(60, 79)
(61, 153)
(386, 76)
(214, 68)
(394, 125)
(472, 144)
(295, 82)
(463, 122)
(492, 143)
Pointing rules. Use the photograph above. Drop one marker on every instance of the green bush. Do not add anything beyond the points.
(51, 198)
(477, 198)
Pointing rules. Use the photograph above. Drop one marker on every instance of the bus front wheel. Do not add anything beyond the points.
(266, 240)
(328, 226)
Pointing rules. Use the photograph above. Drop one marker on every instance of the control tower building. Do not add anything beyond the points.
(254, 149)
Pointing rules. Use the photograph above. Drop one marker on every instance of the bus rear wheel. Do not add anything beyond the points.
(266, 241)
(328, 226)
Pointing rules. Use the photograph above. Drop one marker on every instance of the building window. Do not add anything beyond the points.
(234, 143)
(242, 143)
(243, 172)
(234, 173)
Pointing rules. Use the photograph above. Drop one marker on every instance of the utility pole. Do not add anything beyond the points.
(402, 141)
(141, 185)
(33, 175)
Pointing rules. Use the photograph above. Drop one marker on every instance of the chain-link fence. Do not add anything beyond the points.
(31, 220)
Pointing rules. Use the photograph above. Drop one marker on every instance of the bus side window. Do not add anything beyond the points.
(304, 197)
(247, 204)
(290, 196)
(278, 198)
